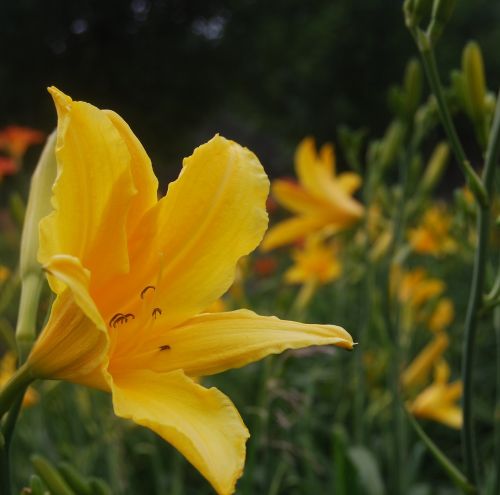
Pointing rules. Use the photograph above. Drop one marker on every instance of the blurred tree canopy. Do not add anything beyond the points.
(264, 73)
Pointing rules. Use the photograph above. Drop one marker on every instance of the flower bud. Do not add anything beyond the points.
(38, 207)
(412, 86)
(435, 167)
(475, 87)
(441, 13)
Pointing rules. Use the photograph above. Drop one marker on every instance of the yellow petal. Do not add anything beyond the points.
(73, 345)
(419, 369)
(92, 192)
(201, 423)
(349, 182)
(188, 245)
(295, 198)
(327, 158)
(214, 342)
(291, 230)
(142, 172)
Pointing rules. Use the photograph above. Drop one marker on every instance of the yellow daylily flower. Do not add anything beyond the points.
(438, 401)
(417, 372)
(415, 288)
(316, 262)
(442, 316)
(320, 201)
(7, 369)
(133, 274)
(432, 236)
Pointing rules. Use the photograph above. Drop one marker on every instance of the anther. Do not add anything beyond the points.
(156, 313)
(164, 347)
(148, 287)
(120, 318)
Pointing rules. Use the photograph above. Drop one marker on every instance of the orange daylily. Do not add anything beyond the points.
(321, 201)
(7, 167)
(16, 139)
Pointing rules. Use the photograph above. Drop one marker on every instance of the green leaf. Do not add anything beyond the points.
(368, 471)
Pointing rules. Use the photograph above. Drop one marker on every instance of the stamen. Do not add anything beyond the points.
(148, 287)
(120, 318)
(156, 313)
(115, 317)
(164, 347)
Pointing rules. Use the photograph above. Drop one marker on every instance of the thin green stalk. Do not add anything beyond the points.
(496, 417)
(430, 66)
(14, 387)
(453, 472)
(475, 301)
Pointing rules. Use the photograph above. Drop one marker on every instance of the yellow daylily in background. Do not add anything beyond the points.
(442, 316)
(7, 369)
(432, 236)
(417, 372)
(315, 262)
(132, 275)
(321, 201)
(439, 400)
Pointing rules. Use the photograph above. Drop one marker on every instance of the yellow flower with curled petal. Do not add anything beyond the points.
(133, 274)
(438, 401)
(432, 236)
(417, 372)
(321, 201)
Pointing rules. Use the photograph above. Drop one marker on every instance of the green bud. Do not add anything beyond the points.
(50, 476)
(36, 486)
(459, 91)
(391, 143)
(475, 86)
(412, 86)
(38, 207)
(32, 278)
(74, 479)
(441, 13)
(435, 167)
(99, 487)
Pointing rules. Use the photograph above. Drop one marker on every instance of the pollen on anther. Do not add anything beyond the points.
(164, 347)
(156, 313)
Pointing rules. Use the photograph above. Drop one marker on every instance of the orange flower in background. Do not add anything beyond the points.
(7, 167)
(432, 236)
(321, 201)
(15, 140)
(265, 266)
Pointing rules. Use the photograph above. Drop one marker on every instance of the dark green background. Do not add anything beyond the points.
(265, 73)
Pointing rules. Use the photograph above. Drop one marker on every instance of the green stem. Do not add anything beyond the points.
(453, 472)
(496, 418)
(429, 62)
(475, 300)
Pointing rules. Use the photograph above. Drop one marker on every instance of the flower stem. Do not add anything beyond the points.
(15, 387)
(430, 66)
(475, 299)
